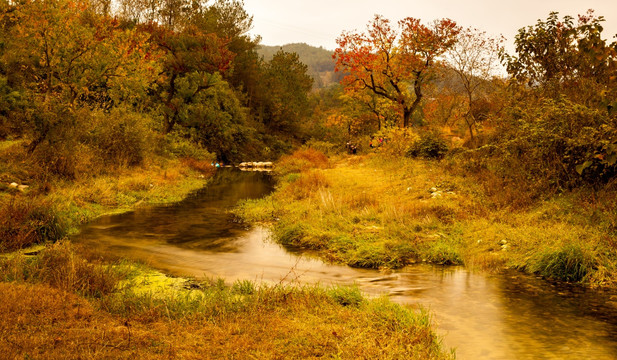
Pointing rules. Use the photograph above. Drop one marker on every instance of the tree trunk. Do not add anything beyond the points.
(406, 116)
(169, 124)
(408, 111)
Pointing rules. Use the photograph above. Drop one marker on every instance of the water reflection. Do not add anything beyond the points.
(484, 317)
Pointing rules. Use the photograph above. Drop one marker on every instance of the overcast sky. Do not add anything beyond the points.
(320, 22)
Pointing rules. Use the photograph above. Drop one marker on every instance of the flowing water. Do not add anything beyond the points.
(507, 316)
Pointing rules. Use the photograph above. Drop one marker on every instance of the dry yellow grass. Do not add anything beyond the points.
(372, 211)
(47, 320)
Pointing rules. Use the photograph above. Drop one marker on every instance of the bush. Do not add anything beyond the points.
(27, 222)
(555, 144)
(396, 141)
(430, 145)
(67, 159)
(179, 145)
(121, 137)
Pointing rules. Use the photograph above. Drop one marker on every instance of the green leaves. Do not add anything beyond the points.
(561, 56)
(580, 168)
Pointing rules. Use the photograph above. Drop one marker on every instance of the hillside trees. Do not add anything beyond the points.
(394, 64)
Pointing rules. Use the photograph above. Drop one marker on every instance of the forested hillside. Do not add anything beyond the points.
(319, 61)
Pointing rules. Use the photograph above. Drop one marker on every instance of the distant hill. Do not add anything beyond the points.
(318, 60)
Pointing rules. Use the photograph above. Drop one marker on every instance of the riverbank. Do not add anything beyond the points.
(366, 212)
(68, 302)
(45, 208)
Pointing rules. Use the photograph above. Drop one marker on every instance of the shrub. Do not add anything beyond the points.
(67, 159)
(430, 145)
(121, 137)
(323, 146)
(179, 144)
(396, 141)
(27, 222)
(202, 166)
(555, 144)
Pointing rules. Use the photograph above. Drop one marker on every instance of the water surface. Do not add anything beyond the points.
(509, 316)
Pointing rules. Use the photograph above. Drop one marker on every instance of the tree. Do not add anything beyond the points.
(560, 126)
(394, 64)
(171, 14)
(192, 62)
(67, 57)
(566, 57)
(228, 20)
(285, 86)
(474, 58)
(219, 121)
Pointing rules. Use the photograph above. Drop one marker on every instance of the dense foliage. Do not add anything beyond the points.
(550, 125)
(153, 69)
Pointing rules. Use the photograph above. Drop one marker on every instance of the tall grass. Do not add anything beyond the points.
(148, 315)
(61, 267)
(374, 213)
(302, 159)
(25, 221)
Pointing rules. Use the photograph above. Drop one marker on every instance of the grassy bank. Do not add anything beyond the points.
(48, 207)
(67, 302)
(67, 305)
(367, 212)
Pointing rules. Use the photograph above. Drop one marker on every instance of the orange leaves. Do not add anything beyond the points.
(394, 63)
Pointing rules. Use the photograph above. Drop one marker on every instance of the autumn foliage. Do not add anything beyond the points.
(394, 63)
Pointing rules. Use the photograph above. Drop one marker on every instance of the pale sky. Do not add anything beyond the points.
(320, 22)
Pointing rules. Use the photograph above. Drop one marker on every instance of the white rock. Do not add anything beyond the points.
(13, 184)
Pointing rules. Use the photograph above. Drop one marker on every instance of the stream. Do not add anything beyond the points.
(505, 316)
